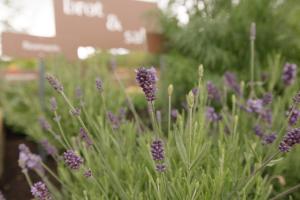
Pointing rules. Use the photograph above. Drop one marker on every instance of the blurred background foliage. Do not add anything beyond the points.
(218, 36)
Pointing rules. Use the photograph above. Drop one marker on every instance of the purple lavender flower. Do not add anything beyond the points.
(114, 120)
(174, 113)
(49, 148)
(84, 136)
(290, 139)
(254, 105)
(231, 82)
(160, 167)
(212, 115)
(28, 160)
(267, 98)
(147, 79)
(40, 191)
(157, 150)
(54, 83)
(44, 124)
(99, 85)
(258, 131)
(266, 115)
(75, 112)
(1, 196)
(88, 173)
(296, 98)
(294, 116)
(253, 31)
(269, 139)
(53, 104)
(289, 74)
(212, 91)
(72, 160)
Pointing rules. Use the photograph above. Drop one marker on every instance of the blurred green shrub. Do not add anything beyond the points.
(218, 35)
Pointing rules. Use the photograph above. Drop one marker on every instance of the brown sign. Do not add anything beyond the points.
(21, 45)
(102, 24)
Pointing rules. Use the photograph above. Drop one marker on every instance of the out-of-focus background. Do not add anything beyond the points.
(78, 40)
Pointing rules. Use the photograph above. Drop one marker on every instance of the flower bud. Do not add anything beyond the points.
(170, 90)
(190, 99)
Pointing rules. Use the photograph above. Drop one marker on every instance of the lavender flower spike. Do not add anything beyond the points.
(54, 83)
(289, 74)
(211, 115)
(157, 150)
(267, 98)
(212, 91)
(84, 136)
(296, 98)
(290, 139)
(269, 139)
(258, 131)
(99, 85)
(72, 160)
(53, 104)
(88, 173)
(294, 116)
(160, 167)
(231, 82)
(28, 160)
(44, 124)
(146, 78)
(40, 191)
(254, 105)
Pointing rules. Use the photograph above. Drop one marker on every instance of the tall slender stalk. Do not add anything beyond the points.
(288, 191)
(169, 114)
(62, 131)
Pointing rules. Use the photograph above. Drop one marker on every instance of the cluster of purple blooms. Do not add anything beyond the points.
(290, 139)
(231, 81)
(157, 151)
(289, 74)
(116, 120)
(213, 92)
(212, 115)
(40, 191)
(72, 160)
(294, 115)
(44, 124)
(84, 137)
(54, 83)
(28, 160)
(146, 78)
(99, 85)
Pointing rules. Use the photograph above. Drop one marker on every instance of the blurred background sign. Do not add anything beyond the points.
(92, 25)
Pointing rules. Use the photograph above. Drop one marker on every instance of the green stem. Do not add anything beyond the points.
(27, 177)
(59, 139)
(190, 134)
(260, 168)
(131, 106)
(61, 130)
(288, 191)
(252, 44)
(169, 114)
(52, 173)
